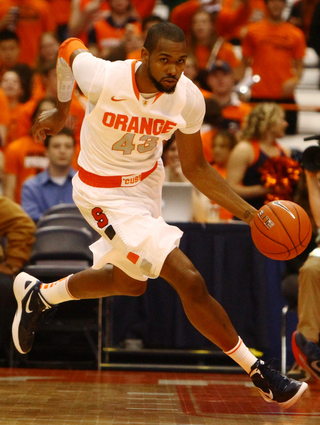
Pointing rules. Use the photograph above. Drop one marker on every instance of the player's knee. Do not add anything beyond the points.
(135, 289)
(194, 286)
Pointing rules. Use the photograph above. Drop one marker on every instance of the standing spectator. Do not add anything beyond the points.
(52, 186)
(25, 157)
(301, 14)
(274, 49)
(29, 19)
(17, 233)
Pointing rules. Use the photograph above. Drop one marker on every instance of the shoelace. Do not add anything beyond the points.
(274, 377)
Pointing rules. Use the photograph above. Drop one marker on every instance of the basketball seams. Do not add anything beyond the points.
(269, 217)
(286, 231)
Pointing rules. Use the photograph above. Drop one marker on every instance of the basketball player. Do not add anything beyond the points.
(132, 107)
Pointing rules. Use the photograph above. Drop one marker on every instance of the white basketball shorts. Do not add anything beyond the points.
(134, 236)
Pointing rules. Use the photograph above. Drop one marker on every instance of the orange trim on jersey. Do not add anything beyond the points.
(68, 47)
(113, 181)
(134, 82)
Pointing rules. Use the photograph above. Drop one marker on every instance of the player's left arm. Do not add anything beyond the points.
(206, 179)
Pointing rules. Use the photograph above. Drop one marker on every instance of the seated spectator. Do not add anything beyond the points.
(4, 118)
(25, 157)
(222, 144)
(191, 71)
(53, 186)
(9, 50)
(84, 13)
(18, 93)
(211, 124)
(17, 235)
(221, 81)
(232, 17)
(258, 142)
(48, 50)
(207, 46)
(108, 33)
(29, 20)
(172, 164)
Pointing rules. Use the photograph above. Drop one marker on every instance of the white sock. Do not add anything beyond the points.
(56, 292)
(241, 355)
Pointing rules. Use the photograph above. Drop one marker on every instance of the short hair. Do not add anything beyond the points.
(9, 35)
(165, 30)
(66, 131)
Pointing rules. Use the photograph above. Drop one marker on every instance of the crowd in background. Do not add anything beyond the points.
(272, 36)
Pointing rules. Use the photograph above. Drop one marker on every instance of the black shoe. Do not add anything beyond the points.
(275, 387)
(31, 306)
(298, 373)
(307, 354)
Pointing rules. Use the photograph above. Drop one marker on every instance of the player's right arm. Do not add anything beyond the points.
(52, 122)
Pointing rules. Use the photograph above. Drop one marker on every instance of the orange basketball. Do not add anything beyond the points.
(281, 230)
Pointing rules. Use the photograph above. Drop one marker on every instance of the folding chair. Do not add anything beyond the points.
(63, 209)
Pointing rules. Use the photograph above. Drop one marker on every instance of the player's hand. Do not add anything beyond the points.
(46, 123)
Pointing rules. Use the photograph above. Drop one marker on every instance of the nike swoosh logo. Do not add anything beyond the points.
(117, 100)
(28, 303)
(269, 394)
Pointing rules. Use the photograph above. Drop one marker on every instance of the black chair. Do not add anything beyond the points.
(59, 251)
(63, 209)
(69, 220)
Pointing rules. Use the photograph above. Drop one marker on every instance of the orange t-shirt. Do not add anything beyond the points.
(35, 18)
(20, 121)
(61, 10)
(272, 49)
(225, 53)
(234, 115)
(108, 36)
(4, 107)
(24, 158)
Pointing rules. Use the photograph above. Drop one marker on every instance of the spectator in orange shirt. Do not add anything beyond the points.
(25, 157)
(18, 92)
(274, 49)
(107, 34)
(61, 10)
(232, 16)
(4, 119)
(206, 45)
(222, 144)
(9, 50)
(221, 81)
(85, 12)
(48, 49)
(32, 18)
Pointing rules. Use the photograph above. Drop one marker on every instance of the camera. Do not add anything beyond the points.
(311, 156)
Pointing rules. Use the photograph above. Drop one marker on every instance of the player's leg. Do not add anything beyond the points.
(209, 317)
(34, 297)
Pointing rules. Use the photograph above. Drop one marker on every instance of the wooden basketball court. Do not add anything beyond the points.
(65, 397)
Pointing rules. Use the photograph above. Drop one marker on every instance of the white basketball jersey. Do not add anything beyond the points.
(123, 132)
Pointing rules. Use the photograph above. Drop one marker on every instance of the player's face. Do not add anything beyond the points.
(166, 64)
